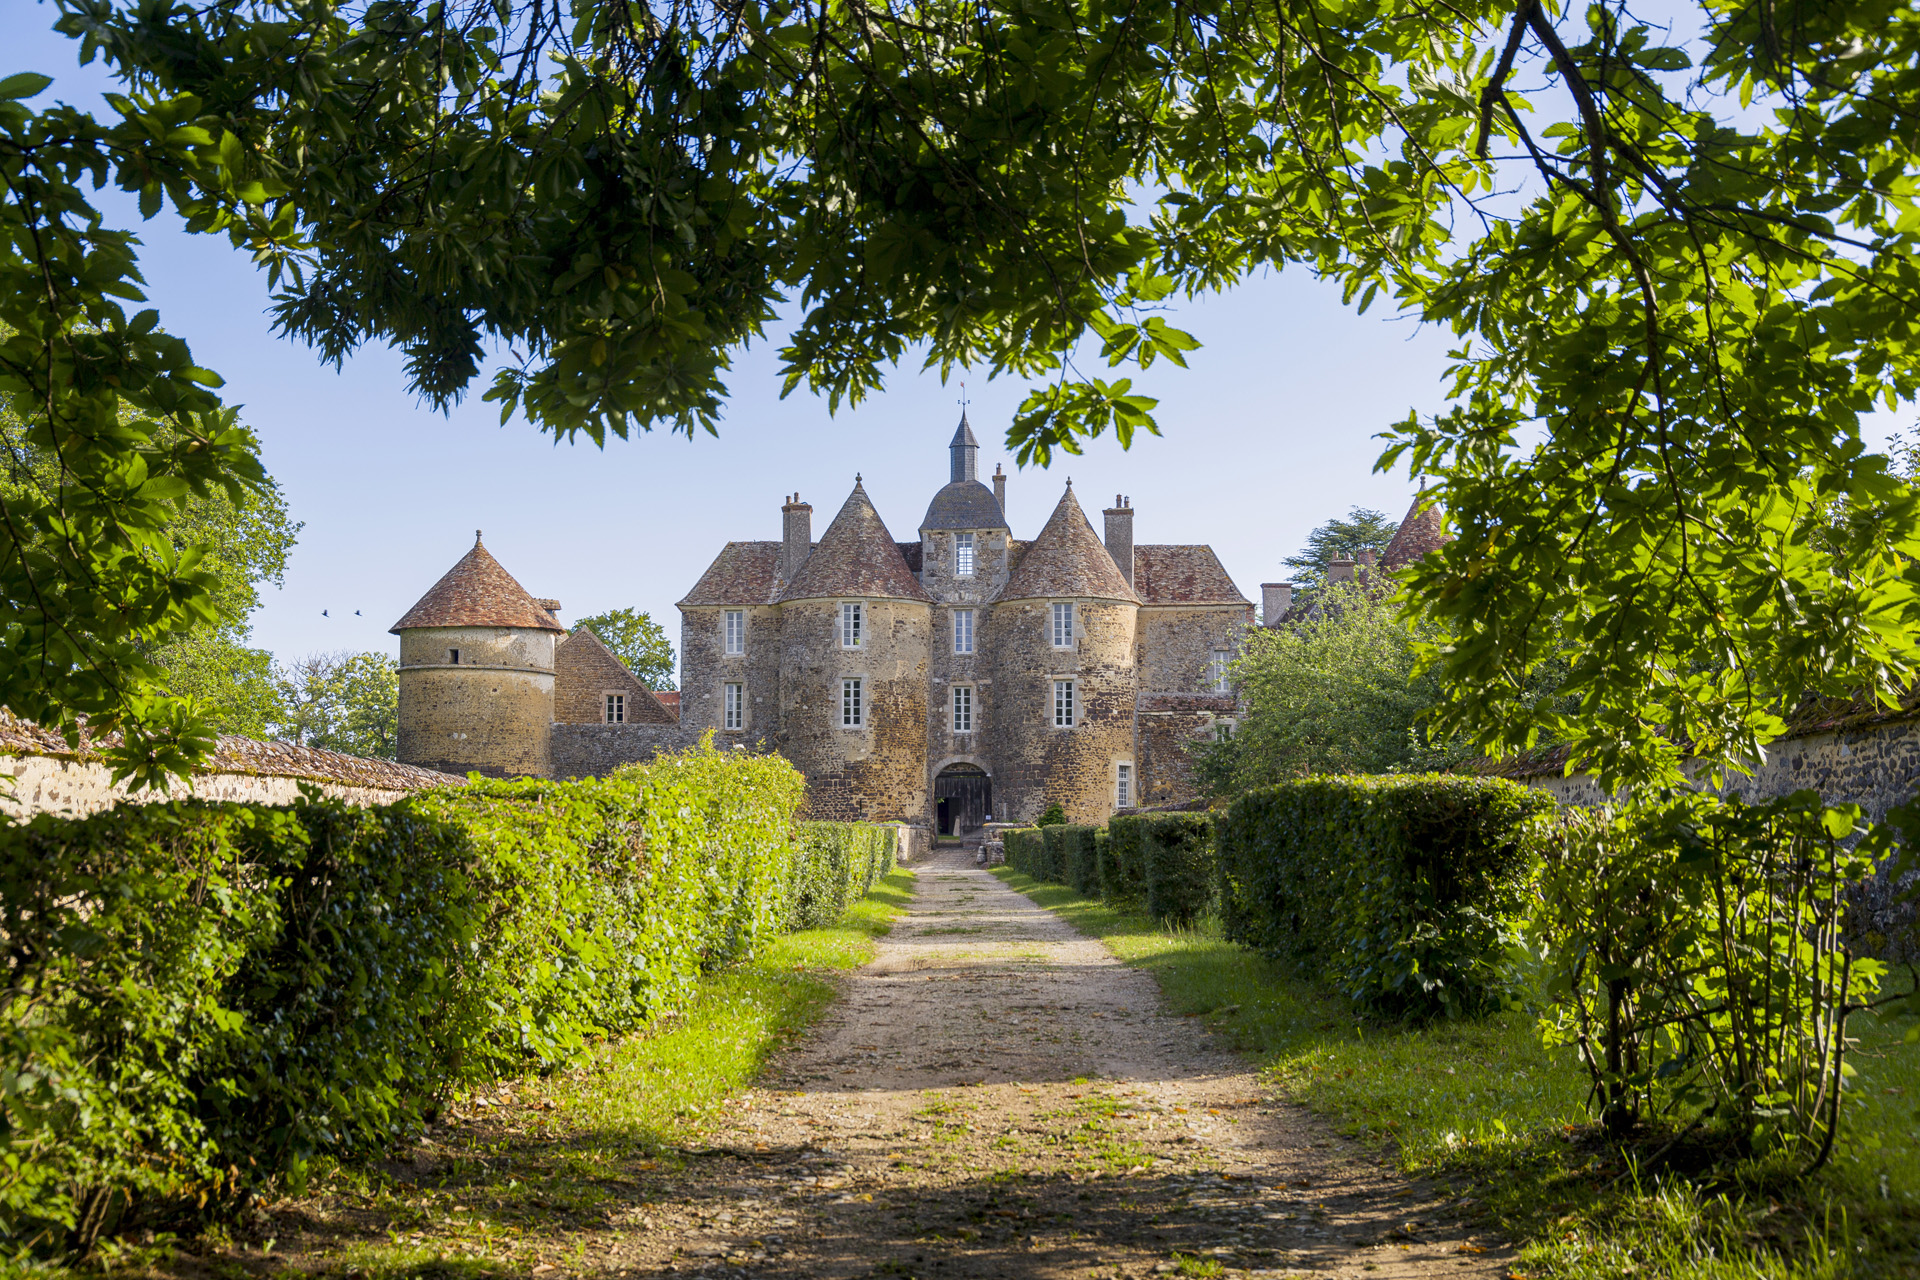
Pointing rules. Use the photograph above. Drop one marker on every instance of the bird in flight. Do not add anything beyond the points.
(323, 613)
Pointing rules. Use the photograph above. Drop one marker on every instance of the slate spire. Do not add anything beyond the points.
(856, 556)
(1067, 559)
(964, 453)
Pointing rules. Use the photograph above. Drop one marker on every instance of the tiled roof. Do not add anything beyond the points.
(242, 756)
(856, 556)
(670, 699)
(477, 592)
(964, 504)
(1421, 532)
(1182, 575)
(1067, 559)
(743, 573)
(910, 552)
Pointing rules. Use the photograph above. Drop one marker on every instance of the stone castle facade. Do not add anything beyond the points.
(964, 676)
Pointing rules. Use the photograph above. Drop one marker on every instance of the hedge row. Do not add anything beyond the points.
(200, 996)
(1402, 892)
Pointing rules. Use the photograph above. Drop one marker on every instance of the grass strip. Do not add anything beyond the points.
(1485, 1112)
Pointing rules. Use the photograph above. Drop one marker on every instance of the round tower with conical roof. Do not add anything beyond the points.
(476, 673)
(1061, 651)
(854, 625)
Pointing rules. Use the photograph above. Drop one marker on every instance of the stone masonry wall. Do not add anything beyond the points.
(948, 668)
(878, 772)
(595, 750)
(706, 667)
(1034, 762)
(584, 673)
(1169, 726)
(1177, 644)
(491, 712)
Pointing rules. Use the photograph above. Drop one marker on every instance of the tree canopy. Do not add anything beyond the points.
(1341, 538)
(1680, 260)
(638, 641)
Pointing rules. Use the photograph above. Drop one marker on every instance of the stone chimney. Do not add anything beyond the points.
(1340, 571)
(1120, 535)
(796, 536)
(1000, 489)
(1367, 570)
(1275, 599)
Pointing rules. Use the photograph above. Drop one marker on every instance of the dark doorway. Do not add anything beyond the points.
(962, 799)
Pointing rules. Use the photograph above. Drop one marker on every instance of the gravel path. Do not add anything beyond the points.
(995, 1095)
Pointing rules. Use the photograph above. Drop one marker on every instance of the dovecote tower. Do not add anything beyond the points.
(476, 673)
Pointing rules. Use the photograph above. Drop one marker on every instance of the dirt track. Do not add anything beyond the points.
(995, 1095)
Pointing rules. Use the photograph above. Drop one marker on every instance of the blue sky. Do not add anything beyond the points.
(1269, 432)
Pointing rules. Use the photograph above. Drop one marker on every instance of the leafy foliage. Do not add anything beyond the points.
(1403, 893)
(1362, 529)
(340, 702)
(1027, 851)
(638, 641)
(1055, 815)
(1177, 865)
(835, 864)
(1123, 876)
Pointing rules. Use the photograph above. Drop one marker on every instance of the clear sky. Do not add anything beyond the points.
(1269, 432)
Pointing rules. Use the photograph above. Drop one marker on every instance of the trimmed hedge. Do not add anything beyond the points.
(203, 996)
(1400, 891)
(1122, 874)
(1027, 850)
(1077, 868)
(1177, 865)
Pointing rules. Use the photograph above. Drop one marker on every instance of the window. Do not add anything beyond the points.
(1123, 786)
(963, 631)
(963, 555)
(736, 631)
(1217, 671)
(1063, 704)
(616, 708)
(736, 706)
(453, 656)
(963, 708)
(852, 714)
(1063, 625)
(1223, 731)
(850, 619)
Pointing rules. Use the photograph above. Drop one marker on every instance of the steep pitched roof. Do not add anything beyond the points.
(477, 592)
(1182, 575)
(1421, 532)
(963, 434)
(1067, 559)
(856, 556)
(743, 573)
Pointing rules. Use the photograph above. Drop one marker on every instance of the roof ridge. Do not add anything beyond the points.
(1067, 558)
(856, 556)
(477, 592)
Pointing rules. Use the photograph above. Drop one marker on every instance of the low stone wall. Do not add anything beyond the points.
(594, 750)
(40, 773)
(1875, 765)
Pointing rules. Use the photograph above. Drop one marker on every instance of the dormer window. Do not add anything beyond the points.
(453, 656)
(1063, 624)
(963, 555)
(852, 617)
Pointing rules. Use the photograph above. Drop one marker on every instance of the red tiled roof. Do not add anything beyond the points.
(1421, 532)
(1067, 559)
(856, 556)
(1182, 575)
(743, 573)
(243, 756)
(477, 592)
(670, 699)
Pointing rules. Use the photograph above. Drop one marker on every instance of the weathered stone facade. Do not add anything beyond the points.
(964, 676)
(591, 686)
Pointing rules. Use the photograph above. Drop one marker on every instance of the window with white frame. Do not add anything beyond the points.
(1063, 624)
(853, 712)
(735, 704)
(736, 631)
(852, 620)
(1063, 708)
(1217, 664)
(963, 631)
(963, 555)
(1123, 786)
(616, 708)
(963, 708)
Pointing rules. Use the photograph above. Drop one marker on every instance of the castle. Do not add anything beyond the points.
(965, 677)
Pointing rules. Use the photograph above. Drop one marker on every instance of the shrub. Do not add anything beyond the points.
(1122, 874)
(835, 864)
(1078, 867)
(203, 996)
(1026, 851)
(1403, 892)
(1176, 861)
(1054, 816)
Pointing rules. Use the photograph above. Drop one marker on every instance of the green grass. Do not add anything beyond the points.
(1481, 1109)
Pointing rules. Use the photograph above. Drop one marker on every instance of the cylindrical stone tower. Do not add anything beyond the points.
(853, 672)
(476, 674)
(1064, 680)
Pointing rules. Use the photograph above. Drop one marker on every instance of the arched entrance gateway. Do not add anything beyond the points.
(962, 799)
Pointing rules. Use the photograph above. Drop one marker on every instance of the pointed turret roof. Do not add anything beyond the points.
(963, 435)
(477, 592)
(1067, 559)
(964, 503)
(1423, 530)
(856, 556)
